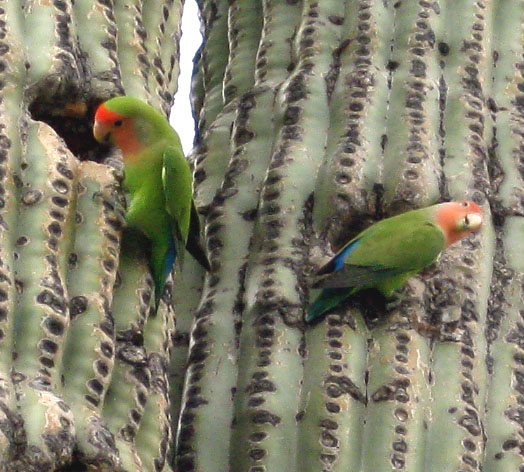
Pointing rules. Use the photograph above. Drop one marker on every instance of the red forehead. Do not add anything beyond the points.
(474, 208)
(449, 213)
(104, 115)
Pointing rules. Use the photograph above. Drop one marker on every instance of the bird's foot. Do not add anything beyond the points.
(393, 303)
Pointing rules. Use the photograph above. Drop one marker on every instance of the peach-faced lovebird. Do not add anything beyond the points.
(387, 253)
(158, 179)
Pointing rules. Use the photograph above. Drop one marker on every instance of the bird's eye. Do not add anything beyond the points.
(118, 123)
(465, 204)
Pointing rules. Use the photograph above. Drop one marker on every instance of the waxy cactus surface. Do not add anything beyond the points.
(314, 119)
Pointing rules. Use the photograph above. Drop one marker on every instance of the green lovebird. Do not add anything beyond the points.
(158, 179)
(387, 253)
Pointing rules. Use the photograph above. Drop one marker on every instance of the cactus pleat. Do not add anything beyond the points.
(397, 395)
(197, 89)
(170, 49)
(161, 26)
(457, 419)
(244, 27)
(41, 315)
(211, 157)
(11, 62)
(153, 25)
(269, 340)
(503, 425)
(98, 38)
(127, 395)
(234, 206)
(133, 59)
(187, 292)
(314, 118)
(59, 238)
(333, 409)
(154, 432)
(54, 52)
(411, 160)
(214, 55)
(93, 265)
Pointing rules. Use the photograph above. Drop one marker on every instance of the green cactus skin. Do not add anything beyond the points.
(333, 408)
(214, 58)
(211, 157)
(54, 52)
(371, 107)
(272, 308)
(169, 51)
(161, 24)
(397, 391)
(412, 115)
(244, 29)
(197, 90)
(154, 432)
(44, 235)
(10, 154)
(502, 423)
(132, 54)
(344, 192)
(459, 411)
(187, 292)
(153, 25)
(127, 395)
(98, 40)
(502, 131)
(274, 57)
(92, 271)
(214, 337)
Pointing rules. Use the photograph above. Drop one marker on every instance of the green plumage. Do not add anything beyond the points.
(159, 182)
(383, 256)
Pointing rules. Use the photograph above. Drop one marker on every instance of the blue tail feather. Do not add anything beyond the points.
(328, 298)
(165, 270)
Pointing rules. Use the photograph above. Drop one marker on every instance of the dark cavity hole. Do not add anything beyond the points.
(70, 114)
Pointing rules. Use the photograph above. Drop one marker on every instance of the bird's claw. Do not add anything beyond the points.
(393, 303)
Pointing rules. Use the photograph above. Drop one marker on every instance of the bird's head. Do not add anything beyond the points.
(458, 219)
(128, 123)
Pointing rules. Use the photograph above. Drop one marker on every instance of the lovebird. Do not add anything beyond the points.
(158, 180)
(390, 251)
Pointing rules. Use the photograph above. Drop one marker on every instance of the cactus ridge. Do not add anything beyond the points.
(315, 118)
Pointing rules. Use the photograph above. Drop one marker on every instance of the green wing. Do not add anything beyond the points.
(386, 250)
(178, 191)
(177, 181)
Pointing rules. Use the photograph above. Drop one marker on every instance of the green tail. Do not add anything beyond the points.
(329, 298)
(163, 256)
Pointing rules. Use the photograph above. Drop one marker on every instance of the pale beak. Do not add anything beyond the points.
(471, 222)
(100, 133)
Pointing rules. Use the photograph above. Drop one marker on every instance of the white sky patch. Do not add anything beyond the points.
(181, 118)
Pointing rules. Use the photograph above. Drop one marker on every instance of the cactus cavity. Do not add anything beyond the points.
(314, 119)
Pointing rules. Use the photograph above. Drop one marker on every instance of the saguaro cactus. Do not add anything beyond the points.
(314, 119)
(83, 369)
